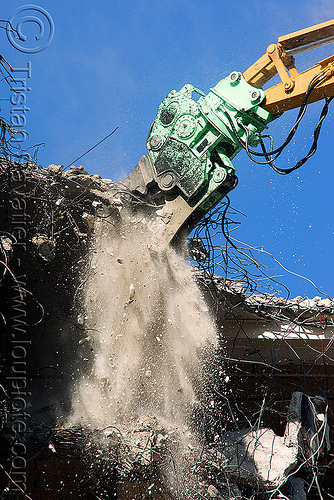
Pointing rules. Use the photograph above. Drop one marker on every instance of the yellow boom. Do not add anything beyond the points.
(278, 58)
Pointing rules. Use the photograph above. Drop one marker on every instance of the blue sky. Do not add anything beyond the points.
(111, 63)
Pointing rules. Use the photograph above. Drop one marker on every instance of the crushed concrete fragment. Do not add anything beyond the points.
(164, 215)
(89, 220)
(45, 247)
(54, 169)
(6, 245)
(96, 204)
(80, 319)
(118, 203)
(86, 339)
(132, 292)
(213, 492)
(225, 492)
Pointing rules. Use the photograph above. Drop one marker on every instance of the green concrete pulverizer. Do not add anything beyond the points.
(191, 144)
(192, 141)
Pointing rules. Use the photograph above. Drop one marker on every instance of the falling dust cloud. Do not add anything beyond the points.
(147, 321)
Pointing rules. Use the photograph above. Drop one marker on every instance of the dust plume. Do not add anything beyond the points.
(147, 322)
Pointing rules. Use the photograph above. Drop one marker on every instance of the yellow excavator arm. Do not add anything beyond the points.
(279, 58)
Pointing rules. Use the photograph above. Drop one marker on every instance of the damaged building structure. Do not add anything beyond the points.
(129, 370)
(263, 426)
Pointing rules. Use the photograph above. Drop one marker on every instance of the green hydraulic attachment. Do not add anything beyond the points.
(192, 142)
(190, 147)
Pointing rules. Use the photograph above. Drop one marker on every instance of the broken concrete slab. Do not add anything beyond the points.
(258, 456)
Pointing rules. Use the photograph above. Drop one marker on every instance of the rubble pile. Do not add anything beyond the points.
(223, 448)
(149, 459)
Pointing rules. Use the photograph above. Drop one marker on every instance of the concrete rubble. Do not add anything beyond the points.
(296, 304)
(258, 457)
(229, 492)
(255, 457)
